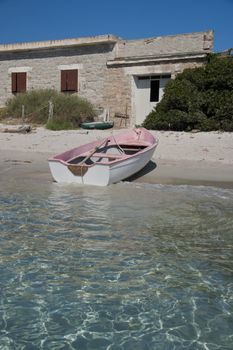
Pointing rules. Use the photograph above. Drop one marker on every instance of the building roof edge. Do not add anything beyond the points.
(49, 44)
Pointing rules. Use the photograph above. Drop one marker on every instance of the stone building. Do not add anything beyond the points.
(122, 76)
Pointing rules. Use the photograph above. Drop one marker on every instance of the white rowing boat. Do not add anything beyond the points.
(103, 163)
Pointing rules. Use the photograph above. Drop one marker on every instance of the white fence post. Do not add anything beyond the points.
(50, 110)
(23, 112)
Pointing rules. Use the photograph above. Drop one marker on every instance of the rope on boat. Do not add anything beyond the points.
(82, 163)
(120, 148)
(82, 172)
(138, 132)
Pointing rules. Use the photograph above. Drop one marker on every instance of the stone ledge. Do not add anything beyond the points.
(121, 61)
(37, 45)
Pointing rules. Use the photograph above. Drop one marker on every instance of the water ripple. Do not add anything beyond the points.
(126, 267)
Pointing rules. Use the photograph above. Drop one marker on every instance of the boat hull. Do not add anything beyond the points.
(105, 163)
(97, 125)
(101, 174)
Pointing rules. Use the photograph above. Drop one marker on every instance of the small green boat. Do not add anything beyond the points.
(97, 125)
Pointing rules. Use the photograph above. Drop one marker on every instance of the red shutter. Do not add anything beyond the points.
(14, 82)
(69, 80)
(21, 82)
(63, 80)
(72, 80)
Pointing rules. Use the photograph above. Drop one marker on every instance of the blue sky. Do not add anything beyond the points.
(28, 20)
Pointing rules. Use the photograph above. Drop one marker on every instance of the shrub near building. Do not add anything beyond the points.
(69, 111)
(199, 98)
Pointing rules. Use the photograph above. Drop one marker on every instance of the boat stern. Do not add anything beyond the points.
(97, 174)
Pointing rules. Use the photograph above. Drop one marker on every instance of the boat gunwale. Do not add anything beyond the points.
(115, 161)
(148, 146)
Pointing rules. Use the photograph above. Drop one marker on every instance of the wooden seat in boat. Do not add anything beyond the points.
(108, 155)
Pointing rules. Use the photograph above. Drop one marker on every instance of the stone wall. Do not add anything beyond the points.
(164, 45)
(43, 69)
(117, 91)
(106, 65)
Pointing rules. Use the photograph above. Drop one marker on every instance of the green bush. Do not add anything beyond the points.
(3, 112)
(199, 98)
(69, 111)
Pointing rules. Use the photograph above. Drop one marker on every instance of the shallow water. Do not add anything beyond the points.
(130, 266)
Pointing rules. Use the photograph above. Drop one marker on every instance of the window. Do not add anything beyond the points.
(18, 82)
(154, 90)
(69, 80)
(142, 77)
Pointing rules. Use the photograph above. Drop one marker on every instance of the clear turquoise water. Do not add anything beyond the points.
(123, 267)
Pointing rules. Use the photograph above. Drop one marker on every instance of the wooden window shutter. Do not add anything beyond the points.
(72, 80)
(69, 80)
(63, 80)
(14, 82)
(21, 82)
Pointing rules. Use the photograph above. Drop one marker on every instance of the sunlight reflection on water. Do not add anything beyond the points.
(123, 267)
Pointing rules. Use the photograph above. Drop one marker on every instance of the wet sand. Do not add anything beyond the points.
(180, 158)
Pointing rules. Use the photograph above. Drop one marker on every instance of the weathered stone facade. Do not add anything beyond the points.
(107, 65)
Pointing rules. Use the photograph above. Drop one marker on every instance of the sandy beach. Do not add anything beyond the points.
(181, 158)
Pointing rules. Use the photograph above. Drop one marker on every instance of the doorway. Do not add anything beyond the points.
(149, 90)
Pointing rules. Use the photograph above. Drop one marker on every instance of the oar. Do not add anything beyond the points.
(94, 150)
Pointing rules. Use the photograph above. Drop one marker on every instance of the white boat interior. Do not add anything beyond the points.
(108, 153)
